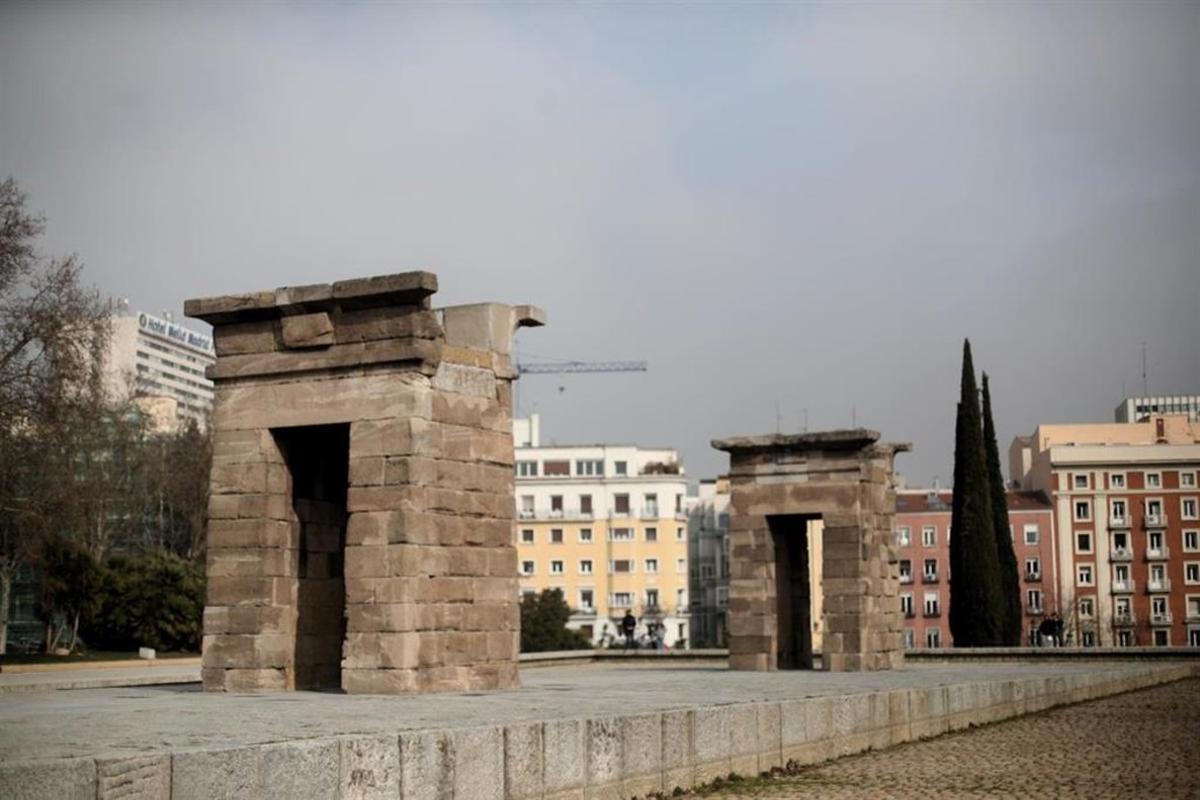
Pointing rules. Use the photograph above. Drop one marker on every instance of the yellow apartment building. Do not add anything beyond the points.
(606, 524)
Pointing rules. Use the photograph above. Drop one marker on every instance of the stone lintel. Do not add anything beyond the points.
(403, 288)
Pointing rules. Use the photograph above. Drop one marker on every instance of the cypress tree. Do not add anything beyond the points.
(976, 614)
(1010, 582)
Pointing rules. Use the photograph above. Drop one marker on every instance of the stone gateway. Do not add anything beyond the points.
(780, 483)
(360, 521)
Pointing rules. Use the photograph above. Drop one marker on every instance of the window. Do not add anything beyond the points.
(651, 565)
(1121, 543)
(620, 535)
(1194, 637)
(651, 598)
(930, 570)
(587, 599)
(910, 639)
(1124, 639)
(903, 537)
(707, 571)
(1158, 576)
(1033, 569)
(906, 604)
(620, 565)
(1162, 637)
(1083, 575)
(1121, 574)
(1080, 481)
(933, 638)
(527, 536)
(1031, 534)
(621, 504)
(556, 505)
(1087, 607)
(1187, 479)
(1034, 598)
(1089, 639)
(556, 536)
(1121, 607)
(678, 503)
(1083, 541)
(527, 567)
(905, 571)
(620, 599)
(585, 567)
(1158, 606)
(1083, 510)
(1193, 607)
(722, 596)
(585, 535)
(651, 534)
(589, 467)
(1191, 540)
(650, 505)
(585, 505)
(931, 604)
(620, 468)
(1154, 542)
(1187, 508)
(681, 534)
(1153, 480)
(681, 566)
(526, 511)
(1119, 510)
(929, 536)
(681, 598)
(526, 469)
(1116, 480)
(1191, 572)
(557, 468)
(556, 568)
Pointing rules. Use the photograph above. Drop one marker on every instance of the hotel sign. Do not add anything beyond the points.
(175, 333)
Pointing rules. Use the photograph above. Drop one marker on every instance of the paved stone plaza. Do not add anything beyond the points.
(579, 732)
(1137, 745)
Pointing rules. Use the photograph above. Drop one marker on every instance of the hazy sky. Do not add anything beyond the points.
(793, 206)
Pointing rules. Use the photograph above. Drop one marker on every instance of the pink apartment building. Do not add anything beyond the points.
(922, 525)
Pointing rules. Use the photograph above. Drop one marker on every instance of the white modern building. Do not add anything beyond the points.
(1140, 409)
(607, 525)
(163, 365)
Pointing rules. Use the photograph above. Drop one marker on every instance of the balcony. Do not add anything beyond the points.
(1158, 520)
(932, 612)
(649, 512)
(1034, 611)
(1158, 585)
(1121, 554)
(1193, 614)
(1120, 523)
(1124, 619)
(910, 614)
(1033, 577)
(1158, 553)
(1163, 618)
(929, 577)
(1122, 586)
(526, 513)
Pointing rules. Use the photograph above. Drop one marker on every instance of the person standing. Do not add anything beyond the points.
(628, 626)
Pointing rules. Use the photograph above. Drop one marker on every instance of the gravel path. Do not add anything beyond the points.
(1138, 745)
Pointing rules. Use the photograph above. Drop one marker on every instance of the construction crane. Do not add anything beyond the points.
(555, 367)
(559, 367)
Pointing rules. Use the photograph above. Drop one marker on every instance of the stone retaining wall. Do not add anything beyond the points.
(611, 757)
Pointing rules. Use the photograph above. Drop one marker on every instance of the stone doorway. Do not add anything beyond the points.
(794, 596)
(779, 486)
(318, 463)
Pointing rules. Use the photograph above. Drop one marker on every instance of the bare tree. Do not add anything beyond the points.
(53, 336)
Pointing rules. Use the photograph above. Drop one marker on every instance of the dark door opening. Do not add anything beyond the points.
(793, 595)
(318, 459)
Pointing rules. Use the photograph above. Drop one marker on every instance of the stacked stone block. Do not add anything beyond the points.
(421, 546)
(844, 478)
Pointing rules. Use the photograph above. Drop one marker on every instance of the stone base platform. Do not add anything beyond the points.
(571, 732)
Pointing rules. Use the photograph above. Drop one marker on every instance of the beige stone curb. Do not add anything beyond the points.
(20, 669)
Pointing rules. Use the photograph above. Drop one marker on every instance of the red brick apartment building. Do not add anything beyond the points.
(922, 525)
(1126, 510)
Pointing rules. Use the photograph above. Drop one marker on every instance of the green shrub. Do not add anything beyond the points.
(544, 624)
(155, 600)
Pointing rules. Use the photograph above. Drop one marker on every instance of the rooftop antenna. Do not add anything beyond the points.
(853, 416)
(1145, 392)
(806, 420)
(778, 419)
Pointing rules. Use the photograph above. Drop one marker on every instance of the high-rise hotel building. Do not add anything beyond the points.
(607, 525)
(1126, 500)
(163, 364)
